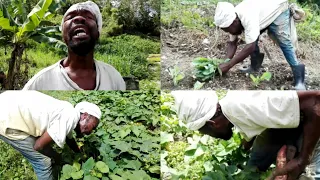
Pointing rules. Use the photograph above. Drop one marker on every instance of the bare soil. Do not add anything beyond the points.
(180, 46)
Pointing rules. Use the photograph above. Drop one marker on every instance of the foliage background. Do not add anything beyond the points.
(127, 140)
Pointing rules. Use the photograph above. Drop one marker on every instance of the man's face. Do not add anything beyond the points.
(235, 28)
(218, 128)
(87, 124)
(80, 31)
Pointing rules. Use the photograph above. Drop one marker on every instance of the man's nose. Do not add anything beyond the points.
(79, 20)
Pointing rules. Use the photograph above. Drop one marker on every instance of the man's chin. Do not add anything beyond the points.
(82, 48)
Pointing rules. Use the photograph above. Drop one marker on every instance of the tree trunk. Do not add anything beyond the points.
(15, 61)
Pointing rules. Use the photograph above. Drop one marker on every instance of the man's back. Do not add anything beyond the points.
(31, 112)
(254, 111)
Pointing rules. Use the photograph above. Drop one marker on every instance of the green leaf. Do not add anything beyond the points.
(155, 169)
(179, 77)
(141, 174)
(111, 164)
(208, 166)
(166, 137)
(102, 167)
(77, 166)
(122, 146)
(89, 177)
(232, 169)
(77, 175)
(124, 132)
(115, 177)
(67, 170)
(266, 76)
(40, 38)
(199, 151)
(198, 85)
(88, 166)
(136, 130)
(133, 164)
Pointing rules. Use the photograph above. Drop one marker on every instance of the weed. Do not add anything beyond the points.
(256, 80)
(206, 69)
(198, 85)
(176, 75)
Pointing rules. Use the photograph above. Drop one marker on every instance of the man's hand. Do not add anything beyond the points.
(42, 141)
(224, 67)
(244, 53)
(293, 169)
(73, 145)
(247, 145)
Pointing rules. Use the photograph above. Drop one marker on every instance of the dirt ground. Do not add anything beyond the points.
(180, 46)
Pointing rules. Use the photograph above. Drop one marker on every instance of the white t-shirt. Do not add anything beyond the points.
(256, 15)
(31, 113)
(55, 77)
(252, 112)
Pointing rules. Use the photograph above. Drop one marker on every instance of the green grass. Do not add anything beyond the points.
(13, 165)
(127, 53)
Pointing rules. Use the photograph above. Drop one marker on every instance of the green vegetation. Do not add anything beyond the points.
(126, 144)
(187, 154)
(176, 75)
(206, 69)
(264, 77)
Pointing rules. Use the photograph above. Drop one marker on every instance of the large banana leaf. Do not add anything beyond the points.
(34, 17)
(42, 11)
(6, 21)
(40, 38)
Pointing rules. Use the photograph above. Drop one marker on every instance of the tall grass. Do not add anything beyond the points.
(127, 53)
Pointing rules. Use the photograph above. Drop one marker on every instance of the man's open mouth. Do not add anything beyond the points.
(79, 33)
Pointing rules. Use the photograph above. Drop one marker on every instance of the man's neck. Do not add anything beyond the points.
(75, 62)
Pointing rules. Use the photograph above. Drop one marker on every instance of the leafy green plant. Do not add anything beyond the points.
(206, 69)
(176, 75)
(256, 80)
(16, 27)
(198, 85)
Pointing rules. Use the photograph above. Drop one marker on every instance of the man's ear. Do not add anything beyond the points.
(213, 124)
(84, 115)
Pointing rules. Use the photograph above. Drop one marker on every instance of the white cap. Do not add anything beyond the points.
(225, 14)
(89, 108)
(195, 108)
(89, 6)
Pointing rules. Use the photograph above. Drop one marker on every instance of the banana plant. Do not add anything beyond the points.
(16, 27)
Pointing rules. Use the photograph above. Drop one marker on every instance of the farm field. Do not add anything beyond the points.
(126, 144)
(188, 32)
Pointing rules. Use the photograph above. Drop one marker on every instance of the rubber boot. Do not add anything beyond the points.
(256, 62)
(298, 76)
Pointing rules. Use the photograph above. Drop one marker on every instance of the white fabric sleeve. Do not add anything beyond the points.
(232, 37)
(59, 127)
(251, 24)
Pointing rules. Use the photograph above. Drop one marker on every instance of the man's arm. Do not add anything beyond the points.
(231, 48)
(42, 142)
(245, 52)
(311, 135)
(73, 144)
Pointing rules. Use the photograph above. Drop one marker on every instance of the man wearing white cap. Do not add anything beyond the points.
(30, 121)
(81, 27)
(273, 117)
(253, 17)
